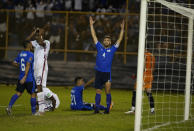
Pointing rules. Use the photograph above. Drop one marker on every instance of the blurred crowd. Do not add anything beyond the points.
(78, 37)
(64, 5)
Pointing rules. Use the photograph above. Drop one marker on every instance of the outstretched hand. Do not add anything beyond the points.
(91, 21)
(123, 24)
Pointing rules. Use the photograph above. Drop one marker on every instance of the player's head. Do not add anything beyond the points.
(107, 41)
(147, 48)
(39, 35)
(79, 81)
(27, 44)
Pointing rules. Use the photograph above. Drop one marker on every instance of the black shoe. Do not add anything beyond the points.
(96, 111)
(106, 112)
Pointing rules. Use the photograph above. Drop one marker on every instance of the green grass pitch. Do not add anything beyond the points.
(63, 119)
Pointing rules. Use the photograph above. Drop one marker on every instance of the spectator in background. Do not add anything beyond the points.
(19, 14)
(30, 14)
(40, 7)
(55, 30)
(102, 10)
(78, 5)
(49, 6)
(68, 4)
(91, 5)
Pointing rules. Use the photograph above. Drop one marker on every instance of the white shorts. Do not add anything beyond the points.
(40, 75)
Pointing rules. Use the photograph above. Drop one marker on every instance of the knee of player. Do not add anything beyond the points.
(33, 95)
(98, 91)
(18, 93)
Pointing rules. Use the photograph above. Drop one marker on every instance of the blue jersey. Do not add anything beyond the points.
(76, 96)
(22, 58)
(104, 57)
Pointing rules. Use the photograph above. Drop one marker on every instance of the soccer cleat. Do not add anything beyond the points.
(130, 112)
(96, 111)
(106, 112)
(8, 110)
(152, 111)
(111, 105)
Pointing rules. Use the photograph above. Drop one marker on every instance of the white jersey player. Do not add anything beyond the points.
(40, 62)
(41, 51)
(51, 100)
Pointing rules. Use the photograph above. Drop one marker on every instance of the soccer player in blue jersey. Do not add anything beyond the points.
(77, 96)
(24, 61)
(105, 54)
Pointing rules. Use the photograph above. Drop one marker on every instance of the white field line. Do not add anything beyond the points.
(165, 124)
(2, 106)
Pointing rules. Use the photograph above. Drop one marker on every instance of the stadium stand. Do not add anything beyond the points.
(63, 73)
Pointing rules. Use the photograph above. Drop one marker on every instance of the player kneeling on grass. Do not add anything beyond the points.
(24, 61)
(77, 96)
(51, 100)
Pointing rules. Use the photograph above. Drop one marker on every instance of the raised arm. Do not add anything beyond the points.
(121, 33)
(92, 30)
(31, 35)
(89, 82)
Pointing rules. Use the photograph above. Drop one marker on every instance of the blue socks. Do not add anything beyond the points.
(33, 105)
(97, 100)
(108, 101)
(100, 107)
(13, 99)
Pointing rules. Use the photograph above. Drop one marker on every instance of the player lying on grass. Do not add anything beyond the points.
(51, 100)
(147, 85)
(24, 61)
(77, 96)
(104, 57)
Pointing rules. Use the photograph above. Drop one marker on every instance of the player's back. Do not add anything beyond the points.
(22, 59)
(149, 63)
(76, 96)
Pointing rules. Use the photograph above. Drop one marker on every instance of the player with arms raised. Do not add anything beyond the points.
(41, 51)
(25, 63)
(105, 54)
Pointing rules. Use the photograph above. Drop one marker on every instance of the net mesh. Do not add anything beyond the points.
(166, 39)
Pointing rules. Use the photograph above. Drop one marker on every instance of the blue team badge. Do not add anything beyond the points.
(108, 50)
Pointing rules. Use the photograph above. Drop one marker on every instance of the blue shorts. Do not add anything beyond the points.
(29, 86)
(101, 78)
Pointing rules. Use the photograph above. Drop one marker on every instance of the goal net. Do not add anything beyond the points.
(169, 37)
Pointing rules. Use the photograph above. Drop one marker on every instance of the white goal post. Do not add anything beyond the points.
(178, 9)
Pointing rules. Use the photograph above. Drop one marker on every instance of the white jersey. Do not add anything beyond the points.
(47, 95)
(40, 62)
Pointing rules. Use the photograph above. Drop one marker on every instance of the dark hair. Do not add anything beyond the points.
(25, 43)
(107, 36)
(77, 78)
